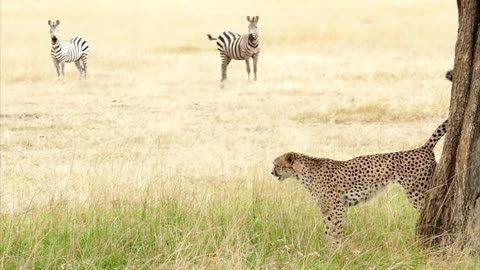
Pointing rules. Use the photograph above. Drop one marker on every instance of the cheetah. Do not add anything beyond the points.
(337, 185)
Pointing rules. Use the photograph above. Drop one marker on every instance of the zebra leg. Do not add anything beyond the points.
(62, 69)
(248, 68)
(84, 60)
(255, 59)
(225, 61)
(57, 67)
(79, 67)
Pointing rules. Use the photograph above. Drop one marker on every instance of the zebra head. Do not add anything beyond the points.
(449, 75)
(54, 32)
(252, 27)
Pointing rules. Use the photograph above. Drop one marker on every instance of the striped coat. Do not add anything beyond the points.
(73, 50)
(239, 47)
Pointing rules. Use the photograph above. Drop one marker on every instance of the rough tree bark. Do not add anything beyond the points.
(452, 208)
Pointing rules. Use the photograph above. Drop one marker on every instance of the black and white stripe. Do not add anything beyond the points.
(73, 50)
(239, 47)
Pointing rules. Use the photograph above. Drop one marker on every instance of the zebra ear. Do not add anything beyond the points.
(49, 23)
(58, 22)
(256, 19)
(248, 19)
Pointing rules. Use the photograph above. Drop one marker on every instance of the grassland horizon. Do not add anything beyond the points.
(149, 164)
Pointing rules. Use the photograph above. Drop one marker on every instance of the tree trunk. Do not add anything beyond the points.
(452, 208)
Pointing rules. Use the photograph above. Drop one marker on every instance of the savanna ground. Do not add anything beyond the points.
(150, 164)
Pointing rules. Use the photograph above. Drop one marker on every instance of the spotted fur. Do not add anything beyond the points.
(337, 185)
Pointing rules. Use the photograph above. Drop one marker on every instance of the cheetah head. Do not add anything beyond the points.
(283, 166)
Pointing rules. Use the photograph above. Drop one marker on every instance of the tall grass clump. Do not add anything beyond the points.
(259, 225)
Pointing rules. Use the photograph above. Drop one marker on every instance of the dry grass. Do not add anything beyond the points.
(336, 79)
(371, 112)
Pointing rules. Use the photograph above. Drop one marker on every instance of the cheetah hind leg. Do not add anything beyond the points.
(416, 194)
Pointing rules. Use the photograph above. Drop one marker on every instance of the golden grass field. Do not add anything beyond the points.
(151, 123)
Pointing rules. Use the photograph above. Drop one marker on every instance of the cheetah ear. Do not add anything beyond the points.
(290, 158)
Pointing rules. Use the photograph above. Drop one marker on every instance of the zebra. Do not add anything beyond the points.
(239, 47)
(73, 50)
(449, 75)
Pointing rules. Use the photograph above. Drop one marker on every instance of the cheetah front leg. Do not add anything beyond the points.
(334, 215)
(335, 220)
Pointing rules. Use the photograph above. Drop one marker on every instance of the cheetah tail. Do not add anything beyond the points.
(436, 136)
(210, 37)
